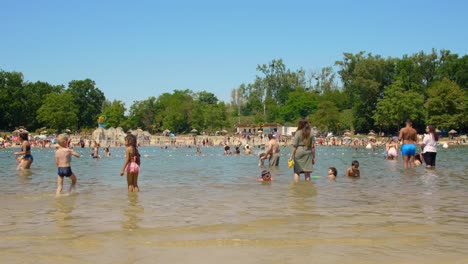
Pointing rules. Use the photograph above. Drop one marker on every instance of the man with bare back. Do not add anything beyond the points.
(409, 138)
(273, 150)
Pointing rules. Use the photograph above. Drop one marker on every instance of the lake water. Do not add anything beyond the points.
(211, 209)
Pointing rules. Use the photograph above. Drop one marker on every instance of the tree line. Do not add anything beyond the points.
(372, 93)
(366, 92)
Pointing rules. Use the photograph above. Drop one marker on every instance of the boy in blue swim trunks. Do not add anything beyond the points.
(62, 159)
(409, 136)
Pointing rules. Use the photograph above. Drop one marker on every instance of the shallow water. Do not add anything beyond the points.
(211, 209)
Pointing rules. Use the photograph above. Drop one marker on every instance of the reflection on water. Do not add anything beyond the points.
(132, 212)
(24, 175)
(191, 207)
(63, 214)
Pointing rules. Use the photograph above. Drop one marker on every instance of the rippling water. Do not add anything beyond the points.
(211, 209)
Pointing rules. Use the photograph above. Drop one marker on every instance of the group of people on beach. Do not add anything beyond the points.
(301, 159)
(409, 138)
(63, 154)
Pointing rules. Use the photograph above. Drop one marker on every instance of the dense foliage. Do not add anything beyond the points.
(371, 93)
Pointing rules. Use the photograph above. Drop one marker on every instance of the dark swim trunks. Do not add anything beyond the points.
(28, 156)
(64, 171)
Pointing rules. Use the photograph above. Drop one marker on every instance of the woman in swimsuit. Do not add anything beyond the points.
(27, 159)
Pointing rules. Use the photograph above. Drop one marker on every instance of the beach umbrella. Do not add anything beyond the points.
(371, 133)
(193, 131)
(452, 131)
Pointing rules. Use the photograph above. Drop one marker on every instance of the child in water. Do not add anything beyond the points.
(417, 160)
(132, 163)
(108, 151)
(332, 172)
(266, 176)
(62, 159)
(261, 158)
(353, 171)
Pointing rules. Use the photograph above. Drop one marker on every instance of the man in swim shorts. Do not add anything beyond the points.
(409, 136)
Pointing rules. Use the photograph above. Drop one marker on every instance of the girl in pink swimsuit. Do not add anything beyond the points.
(132, 163)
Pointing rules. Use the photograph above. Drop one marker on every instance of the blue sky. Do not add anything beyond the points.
(137, 49)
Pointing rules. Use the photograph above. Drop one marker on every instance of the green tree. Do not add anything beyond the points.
(453, 68)
(35, 95)
(364, 78)
(336, 96)
(12, 100)
(397, 105)
(326, 118)
(58, 111)
(300, 104)
(210, 114)
(346, 119)
(115, 113)
(88, 99)
(447, 105)
(270, 90)
(143, 114)
(175, 111)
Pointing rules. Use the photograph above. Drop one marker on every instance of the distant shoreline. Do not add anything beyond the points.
(188, 140)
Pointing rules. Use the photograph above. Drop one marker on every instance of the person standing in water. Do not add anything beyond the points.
(303, 152)
(132, 163)
(62, 159)
(409, 138)
(95, 153)
(27, 159)
(429, 146)
(273, 150)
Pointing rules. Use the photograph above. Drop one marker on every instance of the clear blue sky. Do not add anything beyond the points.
(137, 49)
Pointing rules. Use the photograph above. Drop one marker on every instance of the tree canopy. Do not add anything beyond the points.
(366, 92)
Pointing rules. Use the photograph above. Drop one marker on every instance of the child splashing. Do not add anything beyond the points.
(132, 163)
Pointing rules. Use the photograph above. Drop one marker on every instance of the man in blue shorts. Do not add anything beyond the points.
(409, 136)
